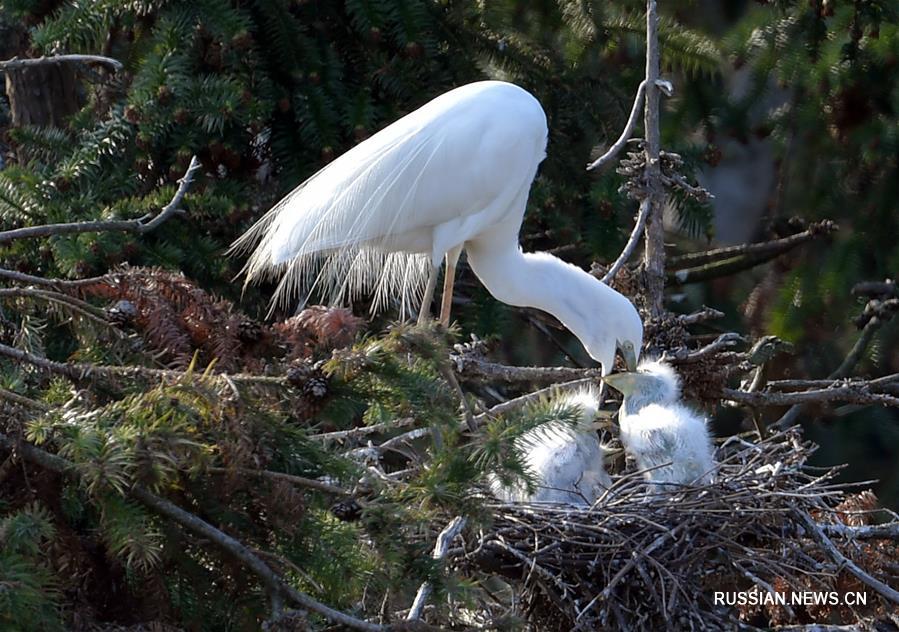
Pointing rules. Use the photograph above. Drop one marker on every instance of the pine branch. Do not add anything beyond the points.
(274, 582)
(140, 226)
(81, 371)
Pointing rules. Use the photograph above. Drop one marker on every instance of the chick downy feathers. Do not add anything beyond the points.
(567, 463)
(667, 439)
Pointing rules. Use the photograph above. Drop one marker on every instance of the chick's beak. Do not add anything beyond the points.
(621, 382)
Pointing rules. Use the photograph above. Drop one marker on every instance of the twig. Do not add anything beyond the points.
(362, 431)
(81, 371)
(686, 356)
(470, 367)
(773, 247)
(889, 531)
(699, 316)
(853, 393)
(633, 240)
(189, 521)
(846, 366)
(140, 226)
(302, 481)
(444, 539)
(15, 62)
(518, 402)
(619, 144)
(877, 289)
(821, 538)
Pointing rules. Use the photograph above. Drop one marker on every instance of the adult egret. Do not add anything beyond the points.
(668, 440)
(453, 174)
(567, 463)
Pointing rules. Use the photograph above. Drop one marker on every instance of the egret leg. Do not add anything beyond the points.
(449, 279)
(425, 310)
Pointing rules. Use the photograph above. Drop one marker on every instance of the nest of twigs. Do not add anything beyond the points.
(642, 559)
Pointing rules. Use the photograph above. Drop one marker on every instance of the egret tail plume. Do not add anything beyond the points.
(331, 234)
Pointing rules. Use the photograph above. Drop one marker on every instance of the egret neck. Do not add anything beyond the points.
(591, 310)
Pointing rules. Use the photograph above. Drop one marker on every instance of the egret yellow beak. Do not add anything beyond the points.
(630, 358)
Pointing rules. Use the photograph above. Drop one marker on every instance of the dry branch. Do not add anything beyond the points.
(15, 62)
(645, 560)
(140, 226)
(444, 539)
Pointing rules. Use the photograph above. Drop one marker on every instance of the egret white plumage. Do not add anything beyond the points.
(668, 440)
(567, 463)
(453, 174)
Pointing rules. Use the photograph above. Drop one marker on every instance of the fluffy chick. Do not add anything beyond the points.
(567, 463)
(668, 440)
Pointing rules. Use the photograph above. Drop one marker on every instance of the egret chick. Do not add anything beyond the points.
(567, 463)
(668, 440)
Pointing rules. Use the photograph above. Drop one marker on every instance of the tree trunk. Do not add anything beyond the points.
(44, 94)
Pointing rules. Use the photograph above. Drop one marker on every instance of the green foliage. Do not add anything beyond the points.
(27, 586)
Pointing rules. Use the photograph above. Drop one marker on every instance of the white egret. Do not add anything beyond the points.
(567, 463)
(667, 439)
(453, 174)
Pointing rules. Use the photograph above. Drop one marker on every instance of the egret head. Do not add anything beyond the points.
(654, 382)
(630, 336)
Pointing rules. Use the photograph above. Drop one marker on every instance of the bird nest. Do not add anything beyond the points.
(644, 559)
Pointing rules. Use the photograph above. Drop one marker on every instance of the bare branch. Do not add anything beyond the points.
(363, 431)
(702, 315)
(853, 393)
(632, 241)
(889, 531)
(301, 481)
(15, 62)
(771, 248)
(140, 226)
(444, 539)
(470, 367)
(81, 371)
(619, 144)
(819, 536)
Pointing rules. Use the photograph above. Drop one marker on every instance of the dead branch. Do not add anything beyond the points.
(770, 248)
(309, 483)
(825, 542)
(619, 144)
(83, 371)
(852, 393)
(444, 539)
(140, 226)
(633, 240)
(15, 62)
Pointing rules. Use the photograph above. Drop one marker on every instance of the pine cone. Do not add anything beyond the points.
(347, 510)
(8, 331)
(122, 313)
(311, 381)
(249, 331)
